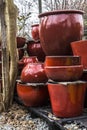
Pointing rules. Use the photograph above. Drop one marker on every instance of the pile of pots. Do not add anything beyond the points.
(60, 74)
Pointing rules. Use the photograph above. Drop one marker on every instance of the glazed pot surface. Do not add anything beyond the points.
(67, 99)
(59, 28)
(35, 32)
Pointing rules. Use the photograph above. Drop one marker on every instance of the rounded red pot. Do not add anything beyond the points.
(20, 42)
(35, 32)
(67, 98)
(80, 48)
(34, 73)
(64, 73)
(35, 49)
(58, 29)
(62, 60)
(33, 94)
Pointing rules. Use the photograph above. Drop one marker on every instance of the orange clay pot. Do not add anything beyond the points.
(33, 94)
(67, 98)
(79, 48)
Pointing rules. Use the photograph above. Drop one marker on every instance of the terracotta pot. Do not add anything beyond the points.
(58, 29)
(80, 48)
(62, 60)
(20, 42)
(20, 52)
(34, 73)
(67, 98)
(35, 32)
(64, 73)
(35, 49)
(33, 94)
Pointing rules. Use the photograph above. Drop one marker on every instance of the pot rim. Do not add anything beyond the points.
(36, 24)
(60, 12)
(64, 67)
(63, 56)
(30, 84)
(80, 41)
(66, 82)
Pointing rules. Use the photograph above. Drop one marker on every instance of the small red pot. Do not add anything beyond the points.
(35, 49)
(20, 42)
(33, 94)
(67, 98)
(35, 32)
(34, 73)
(80, 48)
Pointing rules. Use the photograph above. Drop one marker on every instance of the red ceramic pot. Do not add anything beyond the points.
(62, 60)
(35, 32)
(64, 73)
(67, 98)
(20, 52)
(80, 48)
(35, 49)
(33, 94)
(26, 59)
(34, 73)
(58, 29)
(20, 42)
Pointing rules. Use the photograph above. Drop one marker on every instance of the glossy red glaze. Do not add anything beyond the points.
(32, 95)
(80, 48)
(34, 73)
(58, 28)
(62, 60)
(67, 98)
(35, 32)
(20, 42)
(26, 59)
(64, 73)
(35, 49)
(20, 52)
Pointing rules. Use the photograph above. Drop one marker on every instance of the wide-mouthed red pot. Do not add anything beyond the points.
(67, 98)
(33, 94)
(35, 32)
(58, 29)
(79, 48)
(34, 73)
(20, 52)
(64, 73)
(62, 60)
(35, 49)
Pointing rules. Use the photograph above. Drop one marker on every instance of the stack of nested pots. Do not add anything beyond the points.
(32, 87)
(34, 47)
(57, 30)
(66, 91)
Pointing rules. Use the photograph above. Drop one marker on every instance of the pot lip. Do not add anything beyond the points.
(30, 84)
(60, 12)
(36, 24)
(80, 41)
(65, 82)
(64, 67)
(69, 56)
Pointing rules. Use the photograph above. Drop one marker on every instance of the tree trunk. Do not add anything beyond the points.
(8, 34)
